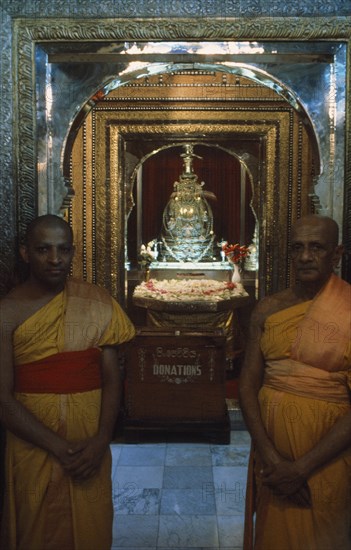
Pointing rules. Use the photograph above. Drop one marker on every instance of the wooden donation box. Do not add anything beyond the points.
(176, 382)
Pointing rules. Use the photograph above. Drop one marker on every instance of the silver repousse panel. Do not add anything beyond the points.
(171, 9)
(7, 192)
(178, 8)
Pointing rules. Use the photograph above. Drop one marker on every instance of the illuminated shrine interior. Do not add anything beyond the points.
(189, 231)
(257, 134)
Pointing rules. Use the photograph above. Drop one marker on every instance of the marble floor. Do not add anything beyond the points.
(180, 495)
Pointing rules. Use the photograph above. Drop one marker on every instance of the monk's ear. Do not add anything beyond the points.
(23, 250)
(339, 250)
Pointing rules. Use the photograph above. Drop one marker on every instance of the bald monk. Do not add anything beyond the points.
(59, 391)
(295, 397)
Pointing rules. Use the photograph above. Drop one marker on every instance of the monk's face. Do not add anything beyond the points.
(314, 250)
(49, 254)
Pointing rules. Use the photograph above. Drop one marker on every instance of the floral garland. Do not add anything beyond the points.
(174, 290)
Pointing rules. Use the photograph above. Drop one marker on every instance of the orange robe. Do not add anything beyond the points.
(44, 509)
(307, 350)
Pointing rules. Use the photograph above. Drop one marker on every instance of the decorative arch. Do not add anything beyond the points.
(252, 73)
(164, 109)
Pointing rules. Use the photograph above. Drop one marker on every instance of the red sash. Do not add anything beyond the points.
(65, 372)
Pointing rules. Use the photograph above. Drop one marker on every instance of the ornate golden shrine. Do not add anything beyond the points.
(131, 123)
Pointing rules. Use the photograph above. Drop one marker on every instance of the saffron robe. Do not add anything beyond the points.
(307, 350)
(44, 508)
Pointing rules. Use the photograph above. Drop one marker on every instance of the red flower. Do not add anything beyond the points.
(235, 252)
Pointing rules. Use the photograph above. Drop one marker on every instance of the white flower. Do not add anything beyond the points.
(151, 244)
(186, 290)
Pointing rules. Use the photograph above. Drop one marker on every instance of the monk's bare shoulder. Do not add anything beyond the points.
(10, 309)
(15, 307)
(272, 304)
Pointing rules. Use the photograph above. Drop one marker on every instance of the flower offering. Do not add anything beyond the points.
(186, 290)
(235, 252)
(148, 254)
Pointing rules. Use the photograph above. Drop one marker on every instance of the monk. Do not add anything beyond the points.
(295, 398)
(59, 390)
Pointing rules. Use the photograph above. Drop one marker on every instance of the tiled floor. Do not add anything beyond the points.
(180, 495)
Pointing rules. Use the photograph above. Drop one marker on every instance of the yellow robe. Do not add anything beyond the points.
(296, 419)
(44, 509)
